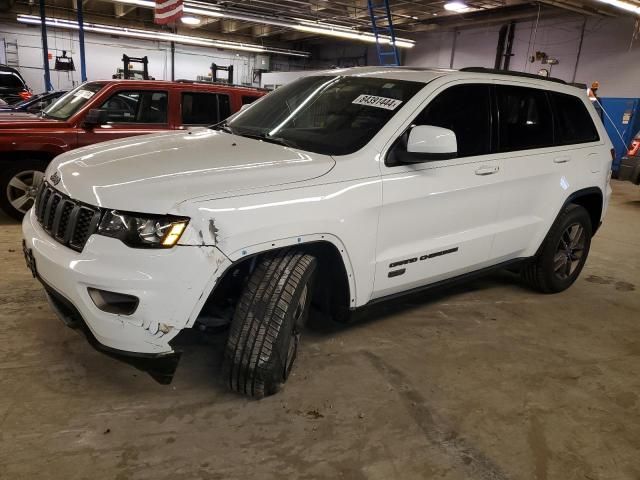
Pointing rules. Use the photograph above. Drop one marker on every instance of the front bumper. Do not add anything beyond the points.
(171, 286)
(630, 169)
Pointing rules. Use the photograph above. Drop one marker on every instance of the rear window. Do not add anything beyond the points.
(525, 116)
(11, 80)
(247, 99)
(204, 108)
(572, 120)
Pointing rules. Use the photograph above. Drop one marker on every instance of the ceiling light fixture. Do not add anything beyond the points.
(352, 35)
(160, 36)
(629, 7)
(456, 6)
(206, 10)
(189, 20)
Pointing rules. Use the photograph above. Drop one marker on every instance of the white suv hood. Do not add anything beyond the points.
(153, 173)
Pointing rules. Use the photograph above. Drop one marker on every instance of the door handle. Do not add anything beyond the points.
(561, 159)
(487, 170)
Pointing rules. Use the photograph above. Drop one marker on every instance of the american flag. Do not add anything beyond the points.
(168, 11)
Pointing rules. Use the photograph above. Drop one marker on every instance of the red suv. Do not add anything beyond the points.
(99, 111)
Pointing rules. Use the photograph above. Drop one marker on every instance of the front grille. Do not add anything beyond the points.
(68, 221)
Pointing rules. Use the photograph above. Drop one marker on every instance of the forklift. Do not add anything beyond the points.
(127, 73)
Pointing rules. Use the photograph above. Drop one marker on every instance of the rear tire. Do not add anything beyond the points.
(265, 330)
(19, 182)
(563, 252)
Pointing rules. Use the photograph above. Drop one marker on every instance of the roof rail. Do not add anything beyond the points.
(220, 84)
(511, 73)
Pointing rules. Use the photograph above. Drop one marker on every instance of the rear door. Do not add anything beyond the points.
(130, 112)
(543, 137)
(438, 217)
(203, 108)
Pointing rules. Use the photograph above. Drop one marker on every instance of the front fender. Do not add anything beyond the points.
(343, 213)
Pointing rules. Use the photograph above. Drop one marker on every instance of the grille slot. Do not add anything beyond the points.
(68, 221)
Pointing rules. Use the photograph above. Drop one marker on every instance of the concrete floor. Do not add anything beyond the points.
(485, 381)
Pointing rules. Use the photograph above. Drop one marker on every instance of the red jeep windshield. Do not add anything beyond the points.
(73, 101)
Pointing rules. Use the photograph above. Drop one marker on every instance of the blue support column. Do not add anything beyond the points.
(83, 64)
(45, 48)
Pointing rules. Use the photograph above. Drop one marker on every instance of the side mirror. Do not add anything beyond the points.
(426, 143)
(95, 117)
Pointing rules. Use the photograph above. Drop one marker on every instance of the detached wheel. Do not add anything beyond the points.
(19, 182)
(265, 330)
(563, 252)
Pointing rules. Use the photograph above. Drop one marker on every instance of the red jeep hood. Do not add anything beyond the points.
(26, 120)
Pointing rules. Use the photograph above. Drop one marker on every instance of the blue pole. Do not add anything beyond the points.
(45, 48)
(83, 64)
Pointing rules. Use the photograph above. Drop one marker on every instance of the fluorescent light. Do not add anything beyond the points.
(205, 10)
(160, 36)
(456, 6)
(189, 20)
(629, 7)
(353, 35)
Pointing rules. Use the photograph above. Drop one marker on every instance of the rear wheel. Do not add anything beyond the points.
(266, 326)
(19, 183)
(563, 253)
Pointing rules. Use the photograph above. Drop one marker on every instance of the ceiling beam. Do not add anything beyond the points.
(120, 9)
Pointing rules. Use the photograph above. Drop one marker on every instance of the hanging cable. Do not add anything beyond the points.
(533, 32)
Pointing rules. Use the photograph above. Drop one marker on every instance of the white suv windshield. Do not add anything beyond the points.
(70, 103)
(332, 115)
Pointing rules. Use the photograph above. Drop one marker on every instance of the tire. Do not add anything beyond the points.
(19, 182)
(550, 271)
(265, 329)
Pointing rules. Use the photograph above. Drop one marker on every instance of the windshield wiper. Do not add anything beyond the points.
(266, 138)
(222, 126)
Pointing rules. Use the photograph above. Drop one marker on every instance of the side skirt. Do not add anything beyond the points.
(466, 277)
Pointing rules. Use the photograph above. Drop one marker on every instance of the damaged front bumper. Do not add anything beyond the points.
(170, 287)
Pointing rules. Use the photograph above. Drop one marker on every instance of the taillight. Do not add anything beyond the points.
(25, 95)
(633, 148)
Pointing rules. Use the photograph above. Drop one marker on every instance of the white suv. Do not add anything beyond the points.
(340, 189)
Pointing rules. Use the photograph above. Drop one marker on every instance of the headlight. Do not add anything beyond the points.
(143, 231)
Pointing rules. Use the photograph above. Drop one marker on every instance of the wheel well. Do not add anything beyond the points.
(331, 293)
(27, 155)
(592, 203)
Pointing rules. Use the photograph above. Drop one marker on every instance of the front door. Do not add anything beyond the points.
(129, 113)
(438, 217)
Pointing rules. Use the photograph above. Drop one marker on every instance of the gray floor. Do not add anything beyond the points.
(485, 381)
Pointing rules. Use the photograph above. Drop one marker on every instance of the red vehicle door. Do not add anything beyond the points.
(131, 111)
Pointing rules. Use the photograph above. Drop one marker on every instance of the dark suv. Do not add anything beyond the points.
(13, 88)
(630, 164)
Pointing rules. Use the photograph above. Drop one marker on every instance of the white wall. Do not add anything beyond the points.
(607, 54)
(104, 56)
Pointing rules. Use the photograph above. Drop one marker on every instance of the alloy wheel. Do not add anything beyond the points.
(22, 189)
(570, 251)
(298, 315)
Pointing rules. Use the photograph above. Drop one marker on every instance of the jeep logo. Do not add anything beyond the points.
(55, 178)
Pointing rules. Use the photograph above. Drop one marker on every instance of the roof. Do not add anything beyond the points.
(426, 75)
(177, 83)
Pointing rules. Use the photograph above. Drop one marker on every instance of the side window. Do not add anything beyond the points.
(525, 118)
(465, 109)
(204, 108)
(246, 99)
(572, 120)
(136, 107)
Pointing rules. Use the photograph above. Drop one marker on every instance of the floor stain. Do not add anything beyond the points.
(477, 464)
(539, 448)
(606, 280)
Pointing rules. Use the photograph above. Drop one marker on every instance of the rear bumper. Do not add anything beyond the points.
(630, 170)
